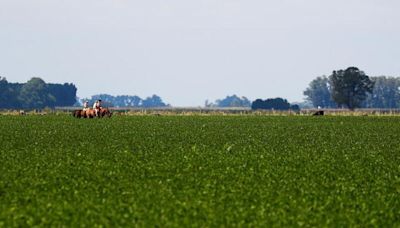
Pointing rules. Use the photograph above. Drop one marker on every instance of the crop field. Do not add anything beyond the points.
(200, 171)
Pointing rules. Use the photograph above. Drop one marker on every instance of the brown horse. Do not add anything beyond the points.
(105, 112)
(89, 113)
(77, 113)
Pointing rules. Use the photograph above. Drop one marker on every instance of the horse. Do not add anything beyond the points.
(89, 113)
(77, 113)
(105, 112)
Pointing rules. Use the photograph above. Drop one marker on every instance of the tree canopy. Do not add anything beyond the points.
(230, 101)
(386, 93)
(35, 94)
(273, 104)
(319, 93)
(350, 87)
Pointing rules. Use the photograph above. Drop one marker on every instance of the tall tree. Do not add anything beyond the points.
(14, 89)
(350, 87)
(386, 93)
(35, 94)
(5, 93)
(65, 94)
(319, 93)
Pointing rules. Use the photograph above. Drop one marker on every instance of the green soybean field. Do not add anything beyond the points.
(200, 171)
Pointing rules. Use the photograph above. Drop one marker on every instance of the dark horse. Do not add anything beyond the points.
(77, 113)
(105, 112)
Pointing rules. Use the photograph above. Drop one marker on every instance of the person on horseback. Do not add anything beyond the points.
(97, 107)
(85, 105)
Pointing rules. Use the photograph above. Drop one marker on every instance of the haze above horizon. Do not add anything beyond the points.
(190, 51)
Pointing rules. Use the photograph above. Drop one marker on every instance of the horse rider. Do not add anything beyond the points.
(85, 105)
(97, 107)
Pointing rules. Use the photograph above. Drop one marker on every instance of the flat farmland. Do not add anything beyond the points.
(199, 171)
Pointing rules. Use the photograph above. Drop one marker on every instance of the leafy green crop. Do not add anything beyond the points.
(199, 171)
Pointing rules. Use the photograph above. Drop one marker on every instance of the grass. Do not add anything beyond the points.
(199, 171)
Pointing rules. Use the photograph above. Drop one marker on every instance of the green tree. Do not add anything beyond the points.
(153, 101)
(319, 93)
(233, 101)
(273, 104)
(4, 93)
(386, 93)
(350, 87)
(35, 94)
(9, 94)
(65, 94)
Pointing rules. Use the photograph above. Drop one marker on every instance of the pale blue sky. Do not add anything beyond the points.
(189, 51)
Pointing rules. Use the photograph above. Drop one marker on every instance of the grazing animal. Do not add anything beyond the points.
(319, 113)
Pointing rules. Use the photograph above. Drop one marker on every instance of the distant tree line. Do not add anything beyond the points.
(268, 104)
(352, 88)
(127, 101)
(230, 101)
(35, 94)
(274, 104)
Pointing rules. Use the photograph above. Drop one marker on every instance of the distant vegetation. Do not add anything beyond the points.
(273, 104)
(352, 88)
(35, 94)
(127, 101)
(230, 101)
